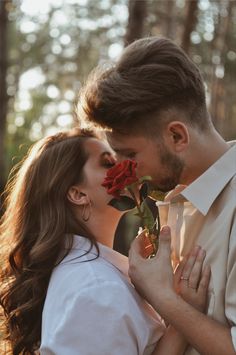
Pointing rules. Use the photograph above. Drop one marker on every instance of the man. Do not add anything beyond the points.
(152, 103)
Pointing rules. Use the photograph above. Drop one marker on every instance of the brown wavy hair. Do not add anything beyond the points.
(37, 220)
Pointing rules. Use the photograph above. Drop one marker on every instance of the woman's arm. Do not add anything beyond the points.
(191, 281)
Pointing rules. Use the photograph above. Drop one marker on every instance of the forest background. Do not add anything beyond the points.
(48, 47)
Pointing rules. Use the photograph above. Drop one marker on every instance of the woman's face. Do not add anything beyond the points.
(100, 158)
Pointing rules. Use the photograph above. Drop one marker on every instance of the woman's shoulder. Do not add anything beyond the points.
(83, 269)
(99, 285)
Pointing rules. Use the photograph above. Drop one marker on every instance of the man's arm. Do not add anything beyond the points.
(153, 278)
(206, 335)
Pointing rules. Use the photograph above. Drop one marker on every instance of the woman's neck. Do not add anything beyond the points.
(103, 227)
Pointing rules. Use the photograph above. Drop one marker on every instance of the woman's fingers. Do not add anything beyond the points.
(164, 246)
(178, 272)
(180, 267)
(189, 264)
(145, 273)
(138, 246)
(196, 271)
(205, 280)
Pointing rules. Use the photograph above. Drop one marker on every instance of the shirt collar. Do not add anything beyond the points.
(119, 261)
(203, 191)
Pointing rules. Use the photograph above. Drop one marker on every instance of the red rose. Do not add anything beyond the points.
(120, 176)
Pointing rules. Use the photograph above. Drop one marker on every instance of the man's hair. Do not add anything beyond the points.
(153, 82)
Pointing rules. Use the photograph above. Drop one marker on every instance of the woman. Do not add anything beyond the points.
(65, 290)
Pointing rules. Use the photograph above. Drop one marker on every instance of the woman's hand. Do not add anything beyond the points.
(191, 280)
(153, 278)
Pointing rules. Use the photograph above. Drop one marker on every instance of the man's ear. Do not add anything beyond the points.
(77, 197)
(177, 134)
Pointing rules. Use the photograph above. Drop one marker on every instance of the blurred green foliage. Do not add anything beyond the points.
(51, 50)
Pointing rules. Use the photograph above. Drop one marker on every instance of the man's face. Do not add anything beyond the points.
(153, 158)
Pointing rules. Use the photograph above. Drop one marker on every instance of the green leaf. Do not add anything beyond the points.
(135, 212)
(131, 186)
(125, 203)
(157, 195)
(145, 178)
(143, 192)
(148, 219)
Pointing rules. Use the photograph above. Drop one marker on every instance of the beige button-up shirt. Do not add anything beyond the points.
(204, 213)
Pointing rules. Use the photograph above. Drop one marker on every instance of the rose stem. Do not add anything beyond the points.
(140, 213)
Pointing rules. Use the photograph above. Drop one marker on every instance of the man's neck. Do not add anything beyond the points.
(204, 152)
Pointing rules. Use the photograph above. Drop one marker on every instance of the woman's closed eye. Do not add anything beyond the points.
(108, 164)
(108, 160)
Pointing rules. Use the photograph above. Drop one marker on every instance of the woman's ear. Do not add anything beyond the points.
(177, 135)
(77, 197)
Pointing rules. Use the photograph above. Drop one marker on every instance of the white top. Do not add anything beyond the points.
(92, 308)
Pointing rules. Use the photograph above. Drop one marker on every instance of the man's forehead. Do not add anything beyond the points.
(121, 139)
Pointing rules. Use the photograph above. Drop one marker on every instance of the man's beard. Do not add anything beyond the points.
(173, 167)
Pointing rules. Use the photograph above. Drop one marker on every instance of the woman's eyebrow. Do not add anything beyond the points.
(108, 155)
(123, 150)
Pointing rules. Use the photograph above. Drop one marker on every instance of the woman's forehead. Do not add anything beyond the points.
(96, 147)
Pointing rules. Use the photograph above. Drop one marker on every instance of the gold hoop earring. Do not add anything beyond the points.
(86, 213)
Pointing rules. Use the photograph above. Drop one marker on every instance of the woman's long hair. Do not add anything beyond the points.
(37, 220)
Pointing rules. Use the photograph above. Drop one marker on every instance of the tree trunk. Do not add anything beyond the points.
(218, 92)
(3, 86)
(189, 25)
(137, 15)
(170, 30)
